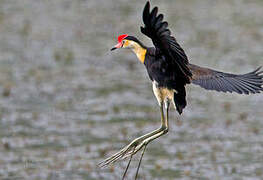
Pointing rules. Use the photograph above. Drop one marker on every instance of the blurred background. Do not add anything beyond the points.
(67, 102)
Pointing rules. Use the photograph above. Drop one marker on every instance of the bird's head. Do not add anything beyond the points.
(121, 42)
(126, 41)
(130, 42)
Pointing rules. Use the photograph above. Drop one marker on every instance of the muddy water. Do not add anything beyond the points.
(67, 102)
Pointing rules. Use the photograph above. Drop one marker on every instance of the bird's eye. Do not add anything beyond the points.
(122, 43)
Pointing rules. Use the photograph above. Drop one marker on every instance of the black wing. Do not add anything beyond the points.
(214, 80)
(165, 44)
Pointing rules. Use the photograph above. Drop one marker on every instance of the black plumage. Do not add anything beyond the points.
(167, 63)
(166, 45)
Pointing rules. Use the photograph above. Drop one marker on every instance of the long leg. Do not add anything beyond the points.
(146, 141)
(135, 143)
(165, 128)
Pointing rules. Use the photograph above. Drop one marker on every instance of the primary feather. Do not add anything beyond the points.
(226, 82)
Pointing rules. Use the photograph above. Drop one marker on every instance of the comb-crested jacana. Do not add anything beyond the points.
(169, 70)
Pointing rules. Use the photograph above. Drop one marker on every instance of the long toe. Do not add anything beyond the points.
(117, 156)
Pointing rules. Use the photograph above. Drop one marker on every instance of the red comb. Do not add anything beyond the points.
(121, 37)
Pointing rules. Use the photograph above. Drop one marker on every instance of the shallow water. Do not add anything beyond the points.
(67, 102)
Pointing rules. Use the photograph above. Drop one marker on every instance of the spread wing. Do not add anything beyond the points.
(214, 80)
(165, 44)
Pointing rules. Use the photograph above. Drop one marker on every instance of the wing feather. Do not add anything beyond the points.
(251, 82)
(165, 44)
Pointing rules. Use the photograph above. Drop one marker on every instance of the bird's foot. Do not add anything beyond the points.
(127, 151)
(145, 142)
(136, 149)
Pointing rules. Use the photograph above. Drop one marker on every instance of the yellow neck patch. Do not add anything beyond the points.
(137, 49)
(140, 53)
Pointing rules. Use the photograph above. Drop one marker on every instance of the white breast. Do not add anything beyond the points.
(163, 95)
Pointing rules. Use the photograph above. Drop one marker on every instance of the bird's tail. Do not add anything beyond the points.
(179, 100)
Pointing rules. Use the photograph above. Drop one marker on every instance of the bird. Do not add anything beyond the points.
(169, 70)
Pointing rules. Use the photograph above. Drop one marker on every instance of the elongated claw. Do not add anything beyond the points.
(137, 148)
(113, 158)
(119, 155)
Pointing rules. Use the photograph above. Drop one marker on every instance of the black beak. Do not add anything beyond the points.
(113, 48)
